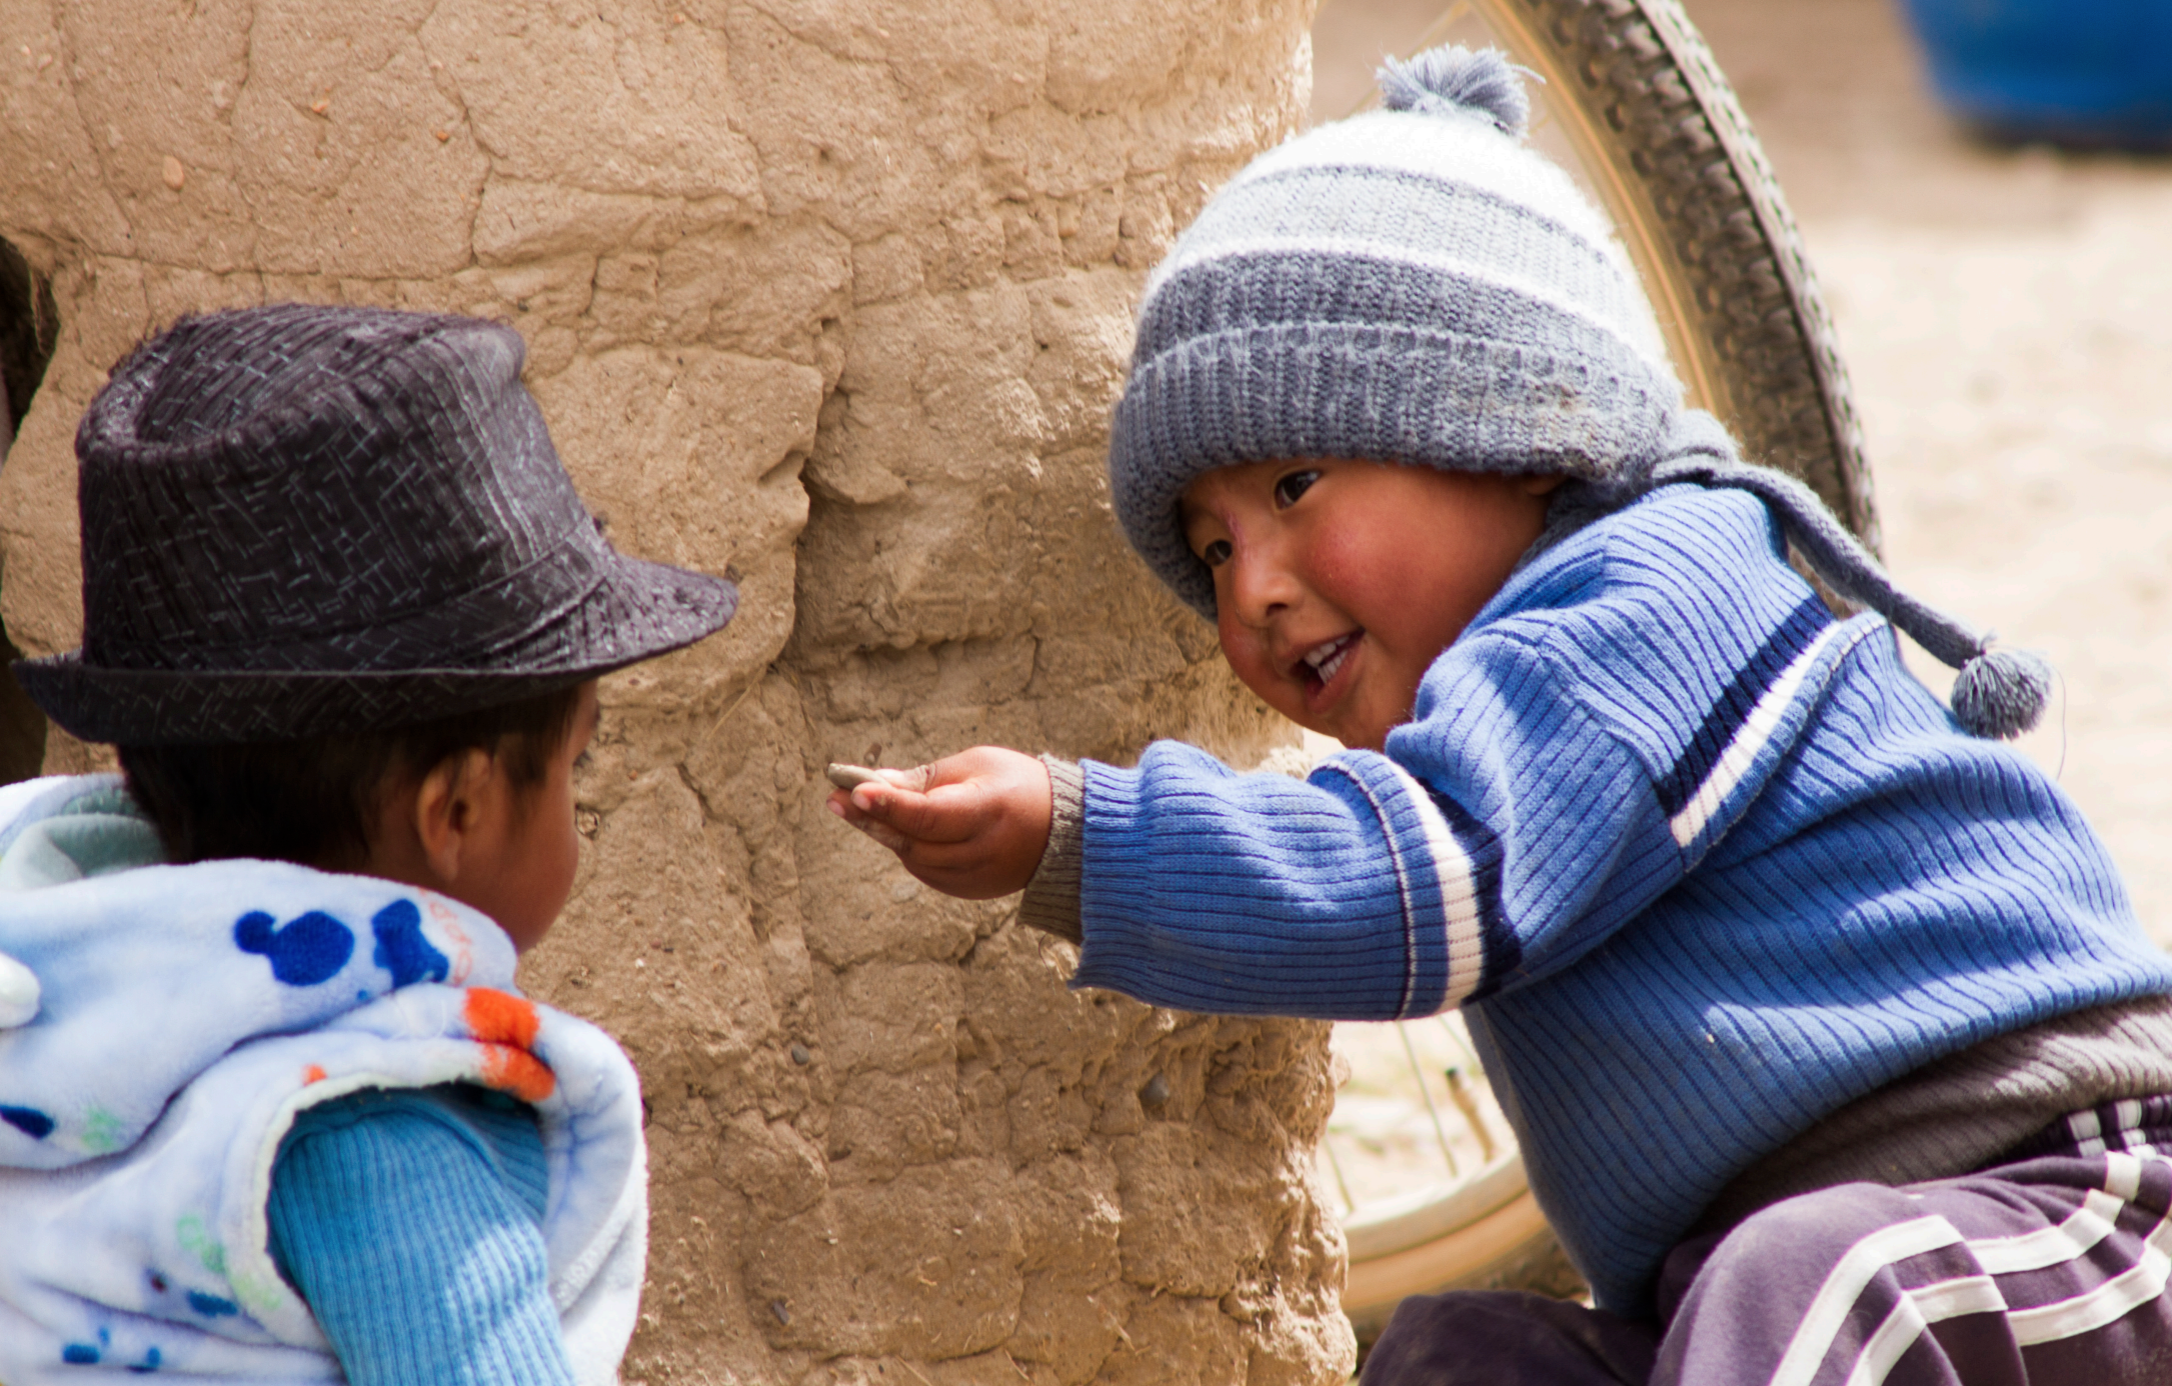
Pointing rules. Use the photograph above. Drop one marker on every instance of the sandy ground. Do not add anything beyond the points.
(2006, 316)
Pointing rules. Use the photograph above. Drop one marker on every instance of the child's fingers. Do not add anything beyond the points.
(861, 792)
(920, 802)
(887, 836)
(945, 813)
(841, 804)
(949, 860)
(917, 780)
(880, 786)
(894, 812)
(945, 861)
(974, 824)
(944, 865)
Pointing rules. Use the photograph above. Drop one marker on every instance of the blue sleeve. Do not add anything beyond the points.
(411, 1223)
(1570, 760)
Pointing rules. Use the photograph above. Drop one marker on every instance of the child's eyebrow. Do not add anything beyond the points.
(1191, 512)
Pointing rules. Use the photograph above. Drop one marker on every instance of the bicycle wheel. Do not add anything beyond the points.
(1662, 139)
(1433, 1190)
(1631, 100)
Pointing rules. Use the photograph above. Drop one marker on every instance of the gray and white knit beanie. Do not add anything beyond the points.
(1415, 285)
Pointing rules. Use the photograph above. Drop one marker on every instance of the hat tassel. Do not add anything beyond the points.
(1999, 694)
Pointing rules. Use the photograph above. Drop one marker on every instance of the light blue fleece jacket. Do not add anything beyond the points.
(248, 1079)
(1700, 863)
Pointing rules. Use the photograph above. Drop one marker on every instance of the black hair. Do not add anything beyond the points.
(315, 801)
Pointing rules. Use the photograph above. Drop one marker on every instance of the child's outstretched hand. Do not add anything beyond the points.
(971, 825)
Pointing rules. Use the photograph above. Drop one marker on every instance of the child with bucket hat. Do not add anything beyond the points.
(279, 1112)
(1831, 1042)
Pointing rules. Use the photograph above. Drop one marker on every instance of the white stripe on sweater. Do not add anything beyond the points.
(2127, 1112)
(2122, 1175)
(1402, 885)
(1979, 1294)
(1461, 920)
(1750, 738)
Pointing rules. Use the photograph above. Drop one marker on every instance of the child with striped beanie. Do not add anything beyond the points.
(1823, 1020)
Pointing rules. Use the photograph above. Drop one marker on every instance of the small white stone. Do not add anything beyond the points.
(18, 994)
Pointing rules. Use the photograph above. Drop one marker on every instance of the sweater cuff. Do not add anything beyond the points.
(1051, 904)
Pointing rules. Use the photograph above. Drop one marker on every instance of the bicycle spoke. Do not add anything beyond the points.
(1458, 1037)
(1425, 1091)
(1460, 1094)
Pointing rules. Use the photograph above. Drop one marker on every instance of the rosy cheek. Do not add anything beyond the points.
(1241, 647)
(1368, 572)
(1335, 560)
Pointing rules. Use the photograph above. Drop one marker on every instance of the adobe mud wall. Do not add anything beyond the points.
(832, 296)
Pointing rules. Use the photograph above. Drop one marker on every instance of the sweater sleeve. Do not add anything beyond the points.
(1051, 899)
(1570, 759)
(412, 1224)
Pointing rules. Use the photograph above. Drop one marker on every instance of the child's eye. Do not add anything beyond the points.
(1216, 553)
(1290, 487)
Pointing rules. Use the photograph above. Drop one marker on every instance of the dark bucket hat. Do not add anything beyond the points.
(300, 521)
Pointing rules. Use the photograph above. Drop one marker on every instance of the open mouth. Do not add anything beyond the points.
(1322, 662)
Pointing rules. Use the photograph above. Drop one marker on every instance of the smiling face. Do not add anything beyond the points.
(1338, 582)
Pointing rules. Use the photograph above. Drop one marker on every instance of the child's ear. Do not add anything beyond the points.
(450, 805)
(1541, 485)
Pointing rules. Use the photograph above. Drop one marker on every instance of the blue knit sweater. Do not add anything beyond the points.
(1700, 863)
(412, 1222)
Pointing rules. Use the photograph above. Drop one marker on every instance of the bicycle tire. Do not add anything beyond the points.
(1705, 221)
(1487, 1234)
(1660, 132)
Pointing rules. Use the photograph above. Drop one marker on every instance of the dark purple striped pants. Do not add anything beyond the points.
(2048, 1268)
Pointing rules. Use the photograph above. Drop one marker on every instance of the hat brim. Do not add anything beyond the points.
(640, 610)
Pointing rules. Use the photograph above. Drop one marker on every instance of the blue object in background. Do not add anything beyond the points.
(2090, 72)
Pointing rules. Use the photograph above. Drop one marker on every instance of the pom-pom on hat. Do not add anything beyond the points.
(303, 520)
(1414, 285)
